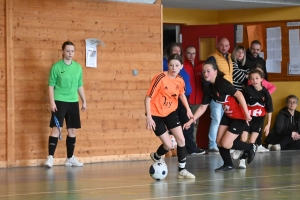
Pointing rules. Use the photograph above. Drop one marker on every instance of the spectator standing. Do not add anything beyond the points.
(195, 73)
(222, 59)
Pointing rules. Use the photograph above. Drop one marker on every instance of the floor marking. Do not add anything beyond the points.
(216, 193)
(144, 185)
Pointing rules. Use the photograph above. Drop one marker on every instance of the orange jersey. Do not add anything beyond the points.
(164, 92)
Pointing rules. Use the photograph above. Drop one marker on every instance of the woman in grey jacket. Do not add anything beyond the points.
(285, 134)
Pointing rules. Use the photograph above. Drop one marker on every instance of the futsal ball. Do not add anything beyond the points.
(158, 170)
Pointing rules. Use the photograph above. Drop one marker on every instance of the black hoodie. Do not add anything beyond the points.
(251, 62)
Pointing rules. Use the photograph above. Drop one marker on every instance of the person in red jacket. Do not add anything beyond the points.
(195, 72)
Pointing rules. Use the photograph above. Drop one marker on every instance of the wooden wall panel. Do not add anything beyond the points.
(114, 123)
(3, 101)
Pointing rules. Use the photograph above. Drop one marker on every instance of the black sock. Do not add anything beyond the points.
(225, 154)
(160, 152)
(52, 145)
(239, 145)
(70, 142)
(181, 154)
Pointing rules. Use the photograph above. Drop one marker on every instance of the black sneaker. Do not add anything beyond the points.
(251, 154)
(224, 168)
(198, 152)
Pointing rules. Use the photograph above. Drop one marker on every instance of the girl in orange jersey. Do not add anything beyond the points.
(161, 103)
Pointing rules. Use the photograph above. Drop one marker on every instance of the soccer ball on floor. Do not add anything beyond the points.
(158, 170)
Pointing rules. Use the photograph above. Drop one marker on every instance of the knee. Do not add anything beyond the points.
(180, 142)
(226, 145)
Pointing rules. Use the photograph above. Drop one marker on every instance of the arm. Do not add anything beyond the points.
(186, 105)
(82, 96)
(269, 86)
(267, 127)
(51, 98)
(150, 124)
(199, 112)
(242, 102)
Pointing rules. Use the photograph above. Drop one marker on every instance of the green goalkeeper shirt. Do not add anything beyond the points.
(66, 79)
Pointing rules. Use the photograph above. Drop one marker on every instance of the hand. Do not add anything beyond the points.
(189, 114)
(267, 129)
(295, 135)
(188, 124)
(83, 108)
(248, 118)
(53, 107)
(150, 124)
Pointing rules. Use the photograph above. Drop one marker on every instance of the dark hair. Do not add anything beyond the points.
(175, 57)
(256, 71)
(66, 43)
(292, 96)
(169, 49)
(255, 42)
(215, 67)
(233, 56)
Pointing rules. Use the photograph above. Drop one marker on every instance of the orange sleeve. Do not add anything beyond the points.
(155, 85)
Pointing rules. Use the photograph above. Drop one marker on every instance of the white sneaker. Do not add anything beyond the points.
(49, 162)
(242, 164)
(275, 147)
(73, 162)
(185, 174)
(262, 149)
(237, 154)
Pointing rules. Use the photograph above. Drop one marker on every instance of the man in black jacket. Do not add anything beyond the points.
(252, 57)
(285, 135)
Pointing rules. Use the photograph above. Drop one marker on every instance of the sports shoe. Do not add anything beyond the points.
(237, 154)
(49, 162)
(153, 158)
(185, 174)
(73, 162)
(213, 151)
(242, 164)
(275, 147)
(198, 152)
(262, 149)
(251, 153)
(224, 168)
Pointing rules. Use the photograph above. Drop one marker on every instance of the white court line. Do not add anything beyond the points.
(216, 193)
(129, 186)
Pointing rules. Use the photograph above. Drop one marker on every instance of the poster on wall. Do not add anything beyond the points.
(91, 51)
(254, 32)
(294, 51)
(274, 50)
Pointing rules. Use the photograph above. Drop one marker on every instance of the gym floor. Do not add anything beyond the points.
(272, 175)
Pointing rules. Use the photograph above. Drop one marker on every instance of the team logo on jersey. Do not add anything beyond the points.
(166, 87)
(218, 95)
(177, 87)
(263, 99)
(174, 95)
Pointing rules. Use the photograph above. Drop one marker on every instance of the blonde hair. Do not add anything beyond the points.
(233, 55)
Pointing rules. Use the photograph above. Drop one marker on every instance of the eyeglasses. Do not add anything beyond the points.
(189, 53)
(292, 102)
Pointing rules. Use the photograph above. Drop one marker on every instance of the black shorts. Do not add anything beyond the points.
(235, 126)
(163, 123)
(256, 125)
(68, 111)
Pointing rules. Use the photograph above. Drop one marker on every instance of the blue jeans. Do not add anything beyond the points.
(216, 113)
